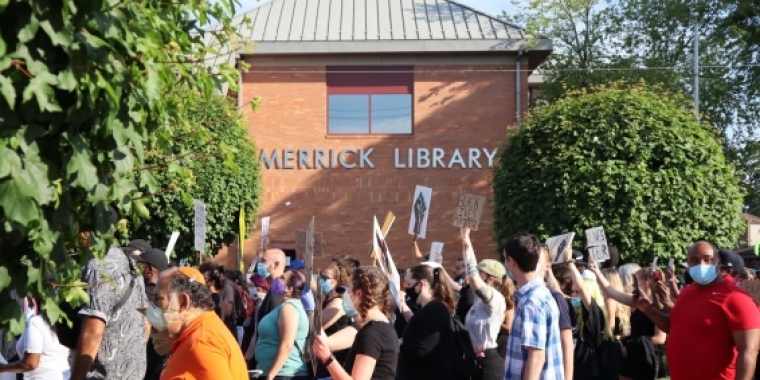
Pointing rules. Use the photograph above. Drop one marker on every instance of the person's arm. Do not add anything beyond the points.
(30, 362)
(611, 306)
(417, 252)
(483, 291)
(659, 337)
(670, 277)
(534, 364)
(568, 351)
(578, 280)
(455, 287)
(287, 324)
(663, 300)
(624, 298)
(509, 317)
(90, 337)
(34, 345)
(332, 313)
(552, 283)
(342, 340)
(747, 345)
(660, 319)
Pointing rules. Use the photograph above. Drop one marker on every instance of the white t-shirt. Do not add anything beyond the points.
(484, 320)
(39, 338)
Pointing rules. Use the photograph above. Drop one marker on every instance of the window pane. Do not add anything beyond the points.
(348, 114)
(392, 113)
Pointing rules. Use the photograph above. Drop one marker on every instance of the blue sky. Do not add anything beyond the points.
(492, 7)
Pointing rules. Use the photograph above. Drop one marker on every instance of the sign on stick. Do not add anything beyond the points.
(558, 244)
(200, 225)
(469, 209)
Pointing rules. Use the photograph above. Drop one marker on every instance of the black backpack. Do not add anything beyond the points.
(466, 358)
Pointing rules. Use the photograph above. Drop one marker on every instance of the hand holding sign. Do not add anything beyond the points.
(597, 244)
(558, 244)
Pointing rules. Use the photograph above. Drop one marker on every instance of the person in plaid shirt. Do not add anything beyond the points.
(534, 349)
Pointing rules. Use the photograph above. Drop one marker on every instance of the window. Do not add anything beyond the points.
(370, 100)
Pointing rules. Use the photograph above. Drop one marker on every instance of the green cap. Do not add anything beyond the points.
(492, 268)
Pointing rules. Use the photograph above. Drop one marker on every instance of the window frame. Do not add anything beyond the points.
(398, 81)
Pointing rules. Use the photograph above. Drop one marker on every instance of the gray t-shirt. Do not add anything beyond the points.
(122, 351)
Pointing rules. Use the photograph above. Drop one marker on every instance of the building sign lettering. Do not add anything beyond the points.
(351, 158)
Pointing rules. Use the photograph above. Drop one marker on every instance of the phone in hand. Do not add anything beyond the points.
(657, 275)
(636, 292)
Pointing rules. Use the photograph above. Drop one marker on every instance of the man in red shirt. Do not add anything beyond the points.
(714, 328)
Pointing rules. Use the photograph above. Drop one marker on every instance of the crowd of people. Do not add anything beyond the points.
(527, 316)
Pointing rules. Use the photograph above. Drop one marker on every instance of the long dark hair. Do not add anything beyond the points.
(441, 291)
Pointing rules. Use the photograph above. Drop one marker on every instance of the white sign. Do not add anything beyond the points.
(351, 158)
(436, 252)
(420, 211)
(200, 225)
(671, 264)
(385, 260)
(287, 261)
(264, 230)
(172, 243)
(596, 241)
(558, 244)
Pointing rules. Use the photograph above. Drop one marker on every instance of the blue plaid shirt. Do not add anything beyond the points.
(536, 325)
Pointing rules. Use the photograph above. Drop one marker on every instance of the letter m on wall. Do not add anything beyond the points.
(273, 160)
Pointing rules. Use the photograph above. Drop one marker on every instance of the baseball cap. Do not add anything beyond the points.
(588, 275)
(154, 257)
(192, 274)
(492, 268)
(297, 264)
(578, 257)
(137, 245)
(731, 259)
(612, 262)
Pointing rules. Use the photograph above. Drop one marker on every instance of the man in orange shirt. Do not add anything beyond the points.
(203, 348)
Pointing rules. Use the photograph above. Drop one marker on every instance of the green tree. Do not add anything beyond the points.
(629, 158)
(223, 187)
(82, 106)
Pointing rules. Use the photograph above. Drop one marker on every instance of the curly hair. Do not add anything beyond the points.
(440, 290)
(346, 261)
(200, 295)
(375, 289)
(340, 274)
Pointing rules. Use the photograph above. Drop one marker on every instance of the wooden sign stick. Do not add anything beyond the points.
(389, 219)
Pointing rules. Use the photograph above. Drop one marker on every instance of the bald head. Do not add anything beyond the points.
(274, 259)
(702, 252)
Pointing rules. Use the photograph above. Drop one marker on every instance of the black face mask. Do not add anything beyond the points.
(411, 294)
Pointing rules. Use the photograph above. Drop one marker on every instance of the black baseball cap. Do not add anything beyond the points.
(578, 257)
(153, 257)
(137, 245)
(732, 260)
(614, 259)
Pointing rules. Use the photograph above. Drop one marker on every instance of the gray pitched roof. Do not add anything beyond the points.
(374, 26)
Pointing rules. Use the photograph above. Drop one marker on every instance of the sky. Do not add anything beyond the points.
(491, 7)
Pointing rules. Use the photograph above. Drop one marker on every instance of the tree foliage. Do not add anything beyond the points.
(629, 158)
(223, 187)
(82, 106)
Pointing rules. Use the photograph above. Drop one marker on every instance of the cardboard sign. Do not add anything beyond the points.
(558, 244)
(596, 240)
(753, 288)
(200, 225)
(385, 260)
(420, 211)
(469, 209)
(301, 243)
(264, 231)
(389, 219)
(436, 252)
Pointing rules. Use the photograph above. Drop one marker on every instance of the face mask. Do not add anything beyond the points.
(278, 288)
(348, 305)
(161, 343)
(509, 274)
(411, 294)
(326, 286)
(576, 302)
(703, 274)
(262, 270)
(156, 317)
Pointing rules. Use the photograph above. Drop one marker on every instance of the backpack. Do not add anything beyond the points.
(466, 358)
(246, 306)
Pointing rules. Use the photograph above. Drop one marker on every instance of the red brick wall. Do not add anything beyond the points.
(452, 110)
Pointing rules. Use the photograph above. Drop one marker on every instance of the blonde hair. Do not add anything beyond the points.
(623, 310)
(627, 272)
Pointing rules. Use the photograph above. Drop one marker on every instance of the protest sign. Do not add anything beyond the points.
(558, 244)
(389, 219)
(200, 225)
(172, 243)
(753, 288)
(420, 211)
(596, 241)
(436, 252)
(264, 231)
(385, 260)
(469, 209)
(301, 243)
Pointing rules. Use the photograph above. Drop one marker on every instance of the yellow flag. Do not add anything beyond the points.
(241, 239)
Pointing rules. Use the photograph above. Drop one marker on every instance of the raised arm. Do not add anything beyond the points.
(624, 298)
(483, 291)
(578, 279)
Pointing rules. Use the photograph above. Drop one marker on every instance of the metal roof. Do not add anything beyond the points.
(291, 27)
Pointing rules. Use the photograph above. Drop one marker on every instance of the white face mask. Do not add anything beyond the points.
(156, 317)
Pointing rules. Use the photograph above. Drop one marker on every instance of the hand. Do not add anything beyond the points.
(643, 303)
(594, 268)
(662, 291)
(669, 274)
(320, 348)
(414, 240)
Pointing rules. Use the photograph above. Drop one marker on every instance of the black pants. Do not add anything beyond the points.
(491, 366)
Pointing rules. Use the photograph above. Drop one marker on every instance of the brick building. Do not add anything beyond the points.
(362, 100)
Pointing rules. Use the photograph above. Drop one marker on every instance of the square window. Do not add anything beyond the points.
(391, 113)
(348, 113)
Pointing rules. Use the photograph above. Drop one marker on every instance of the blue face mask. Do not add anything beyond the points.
(262, 270)
(326, 287)
(703, 274)
(576, 302)
(348, 305)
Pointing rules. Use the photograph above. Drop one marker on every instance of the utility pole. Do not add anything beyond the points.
(696, 62)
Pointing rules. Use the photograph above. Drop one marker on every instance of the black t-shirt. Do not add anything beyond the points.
(429, 344)
(377, 340)
(588, 335)
(466, 299)
(217, 301)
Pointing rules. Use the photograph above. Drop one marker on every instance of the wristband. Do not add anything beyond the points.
(329, 361)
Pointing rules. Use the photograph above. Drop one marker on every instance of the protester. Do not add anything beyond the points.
(619, 314)
(534, 350)
(714, 327)
(459, 275)
(333, 281)
(731, 265)
(429, 342)
(375, 350)
(113, 337)
(544, 272)
(203, 347)
(41, 356)
(258, 288)
(270, 267)
(152, 262)
(227, 291)
(627, 273)
(281, 345)
(489, 281)
(213, 280)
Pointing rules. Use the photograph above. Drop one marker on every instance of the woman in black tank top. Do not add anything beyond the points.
(333, 281)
